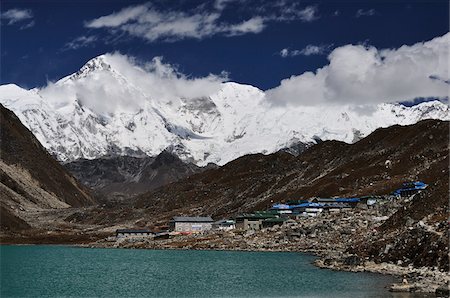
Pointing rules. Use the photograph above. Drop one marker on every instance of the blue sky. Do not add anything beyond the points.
(255, 42)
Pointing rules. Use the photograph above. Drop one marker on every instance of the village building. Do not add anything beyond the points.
(324, 200)
(337, 207)
(296, 202)
(133, 233)
(253, 221)
(308, 209)
(367, 202)
(224, 225)
(410, 188)
(191, 224)
(336, 203)
(282, 208)
(271, 222)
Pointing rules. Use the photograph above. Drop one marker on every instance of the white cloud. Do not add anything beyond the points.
(284, 52)
(365, 12)
(309, 14)
(253, 25)
(312, 50)
(362, 74)
(306, 51)
(145, 21)
(221, 4)
(16, 15)
(27, 25)
(286, 10)
(119, 18)
(79, 42)
(150, 24)
(104, 92)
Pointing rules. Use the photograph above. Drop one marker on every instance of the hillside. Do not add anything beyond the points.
(415, 234)
(330, 168)
(30, 178)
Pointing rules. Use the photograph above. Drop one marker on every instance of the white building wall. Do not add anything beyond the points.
(192, 226)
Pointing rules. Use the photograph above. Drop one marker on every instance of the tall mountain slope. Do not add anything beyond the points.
(418, 151)
(125, 176)
(30, 178)
(106, 109)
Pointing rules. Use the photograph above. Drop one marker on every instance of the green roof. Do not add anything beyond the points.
(276, 219)
(268, 212)
(258, 215)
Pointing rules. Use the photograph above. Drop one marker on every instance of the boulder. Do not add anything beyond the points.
(352, 260)
(443, 291)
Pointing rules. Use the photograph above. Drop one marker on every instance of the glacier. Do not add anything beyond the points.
(220, 126)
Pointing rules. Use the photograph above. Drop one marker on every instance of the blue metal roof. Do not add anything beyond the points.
(281, 206)
(309, 205)
(409, 186)
(347, 200)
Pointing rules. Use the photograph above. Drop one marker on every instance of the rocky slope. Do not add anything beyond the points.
(329, 236)
(124, 176)
(30, 178)
(112, 106)
(330, 168)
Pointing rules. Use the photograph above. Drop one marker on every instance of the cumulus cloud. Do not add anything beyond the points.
(18, 16)
(361, 74)
(104, 91)
(306, 51)
(365, 12)
(147, 22)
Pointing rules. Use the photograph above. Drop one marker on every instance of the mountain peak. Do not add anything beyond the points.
(230, 122)
(97, 63)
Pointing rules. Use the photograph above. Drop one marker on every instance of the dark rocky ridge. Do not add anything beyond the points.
(125, 176)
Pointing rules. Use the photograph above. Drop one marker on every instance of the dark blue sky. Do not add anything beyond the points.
(36, 45)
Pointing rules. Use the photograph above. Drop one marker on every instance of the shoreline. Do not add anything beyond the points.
(423, 280)
(420, 280)
(349, 241)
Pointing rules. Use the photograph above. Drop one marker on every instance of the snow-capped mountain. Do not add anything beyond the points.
(105, 109)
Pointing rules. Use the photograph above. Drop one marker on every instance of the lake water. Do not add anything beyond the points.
(55, 271)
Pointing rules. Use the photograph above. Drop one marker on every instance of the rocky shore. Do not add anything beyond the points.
(334, 238)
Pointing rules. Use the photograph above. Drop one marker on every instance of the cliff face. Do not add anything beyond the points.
(30, 178)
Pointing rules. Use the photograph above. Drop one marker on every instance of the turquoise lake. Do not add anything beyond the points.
(63, 271)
